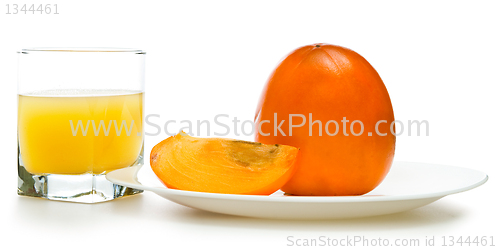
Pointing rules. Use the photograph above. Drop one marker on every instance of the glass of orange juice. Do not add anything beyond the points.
(80, 115)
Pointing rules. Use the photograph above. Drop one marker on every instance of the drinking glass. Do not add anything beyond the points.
(80, 115)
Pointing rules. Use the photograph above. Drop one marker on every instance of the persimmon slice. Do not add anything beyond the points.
(220, 165)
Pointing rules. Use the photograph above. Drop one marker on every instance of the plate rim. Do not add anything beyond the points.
(297, 199)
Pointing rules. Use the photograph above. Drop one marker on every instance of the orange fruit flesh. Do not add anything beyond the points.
(218, 165)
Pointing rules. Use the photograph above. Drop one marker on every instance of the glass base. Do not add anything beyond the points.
(84, 188)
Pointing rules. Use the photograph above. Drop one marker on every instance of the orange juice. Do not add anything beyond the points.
(79, 131)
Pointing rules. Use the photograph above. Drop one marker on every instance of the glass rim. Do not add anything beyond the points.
(82, 50)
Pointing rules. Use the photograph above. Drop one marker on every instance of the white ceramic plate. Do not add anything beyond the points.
(407, 186)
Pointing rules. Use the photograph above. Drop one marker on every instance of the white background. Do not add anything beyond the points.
(438, 59)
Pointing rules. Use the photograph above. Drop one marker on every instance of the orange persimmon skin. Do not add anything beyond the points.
(329, 82)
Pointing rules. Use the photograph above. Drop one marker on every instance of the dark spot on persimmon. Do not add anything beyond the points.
(246, 142)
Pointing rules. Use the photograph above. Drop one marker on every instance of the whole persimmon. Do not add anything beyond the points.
(346, 144)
